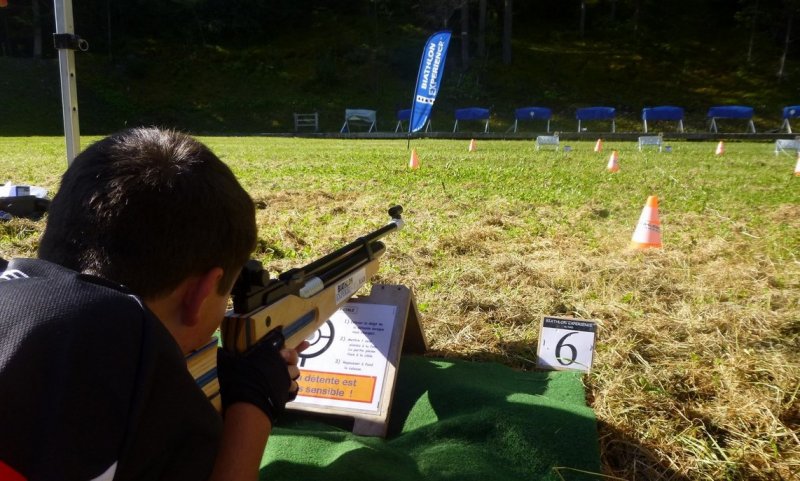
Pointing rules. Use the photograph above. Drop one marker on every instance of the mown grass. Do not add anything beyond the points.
(697, 373)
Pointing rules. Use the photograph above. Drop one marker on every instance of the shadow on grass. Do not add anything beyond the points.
(452, 419)
(627, 458)
(621, 455)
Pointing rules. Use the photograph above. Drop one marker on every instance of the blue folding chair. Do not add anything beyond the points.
(790, 112)
(405, 115)
(472, 113)
(730, 112)
(596, 113)
(532, 113)
(402, 115)
(663, 113)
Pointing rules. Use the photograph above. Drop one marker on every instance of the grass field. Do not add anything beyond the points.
(696, 373)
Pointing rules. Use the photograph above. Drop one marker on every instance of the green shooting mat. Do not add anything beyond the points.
(451, 420)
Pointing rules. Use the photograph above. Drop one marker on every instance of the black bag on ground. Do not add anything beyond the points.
(28, 206)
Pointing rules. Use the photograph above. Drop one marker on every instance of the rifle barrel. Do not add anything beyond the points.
(254, 289)
(364, 242)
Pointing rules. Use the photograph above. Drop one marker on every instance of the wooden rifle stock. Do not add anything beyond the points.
(290, 308)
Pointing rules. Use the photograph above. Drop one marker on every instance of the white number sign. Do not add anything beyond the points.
(566, 343)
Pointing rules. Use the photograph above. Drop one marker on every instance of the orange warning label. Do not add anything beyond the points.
(331, 385)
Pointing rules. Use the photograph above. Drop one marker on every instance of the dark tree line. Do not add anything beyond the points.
(480, 27)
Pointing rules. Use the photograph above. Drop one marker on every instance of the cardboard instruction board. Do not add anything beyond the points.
(351, 365)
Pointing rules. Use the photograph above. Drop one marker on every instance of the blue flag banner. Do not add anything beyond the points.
(429, 78)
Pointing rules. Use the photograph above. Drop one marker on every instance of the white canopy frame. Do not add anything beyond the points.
(67, 42)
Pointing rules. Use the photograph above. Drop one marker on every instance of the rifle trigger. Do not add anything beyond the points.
(275, 339)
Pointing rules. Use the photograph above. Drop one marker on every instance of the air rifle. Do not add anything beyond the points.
(288, 309)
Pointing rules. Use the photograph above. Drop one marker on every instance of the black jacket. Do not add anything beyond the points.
(91, 381)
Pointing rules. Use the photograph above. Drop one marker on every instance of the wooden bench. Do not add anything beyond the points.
(302, 121)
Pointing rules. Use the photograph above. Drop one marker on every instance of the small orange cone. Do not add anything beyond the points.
(720, 148)
(613, 162)
(473, 146)
(413, 163)
(797, 167)
(598, 146)
(648, 230)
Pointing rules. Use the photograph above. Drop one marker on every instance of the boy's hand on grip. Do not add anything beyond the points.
(260, 376)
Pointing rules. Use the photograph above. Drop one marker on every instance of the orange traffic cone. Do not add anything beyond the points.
(613, 162)
(598, 146)
(720, 148)
(797, 167)
(473, 146)
(648, 230)
(413, 163)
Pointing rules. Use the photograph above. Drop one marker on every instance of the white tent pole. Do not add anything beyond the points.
(66, 43)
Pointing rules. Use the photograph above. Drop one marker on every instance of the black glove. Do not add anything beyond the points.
(259, 377)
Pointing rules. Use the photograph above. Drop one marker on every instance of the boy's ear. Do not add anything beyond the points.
(197, 291)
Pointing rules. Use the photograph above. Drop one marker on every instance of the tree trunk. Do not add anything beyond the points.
(751, 42)
(6, 49)
(482, 29)
(508, 15)
(37, 29)
(786, 42)
(372, 55)
(583, 18)
(108, 27)
(465, 35)
(613, 11)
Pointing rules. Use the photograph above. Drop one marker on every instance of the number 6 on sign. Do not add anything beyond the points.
(566, 343)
